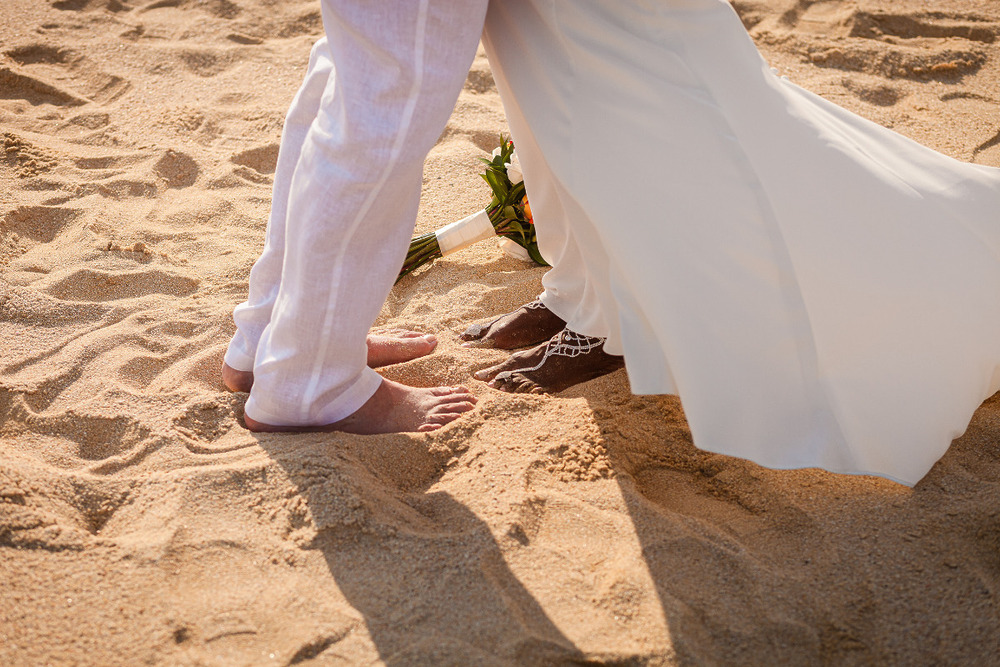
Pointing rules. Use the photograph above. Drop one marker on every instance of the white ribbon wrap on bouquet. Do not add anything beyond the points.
(473, 229)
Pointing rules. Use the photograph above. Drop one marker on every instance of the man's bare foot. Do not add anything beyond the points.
(394, 408)
(236, 380)
(530, 324)
(568, 358)
(398, 345)
(384, 348)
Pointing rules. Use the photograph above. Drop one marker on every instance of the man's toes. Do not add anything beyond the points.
(460, 391)
(408, 346)
(385, 349)
(443, 418)
(424, 428)
(421, 343)
(406, 333)
(453, 407)
(436, 419)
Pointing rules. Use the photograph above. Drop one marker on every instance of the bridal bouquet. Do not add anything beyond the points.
(508, 216)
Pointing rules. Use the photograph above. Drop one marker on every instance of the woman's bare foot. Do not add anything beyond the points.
(568, 358)
(530, 324)
(384, 348)
(394, 408)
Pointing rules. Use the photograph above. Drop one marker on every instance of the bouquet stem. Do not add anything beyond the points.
(508, 215)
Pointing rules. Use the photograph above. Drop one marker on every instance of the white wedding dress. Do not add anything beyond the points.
(818, 290)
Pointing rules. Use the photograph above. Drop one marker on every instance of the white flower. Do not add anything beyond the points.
(514, 250)
(497, 151)
(514, 170)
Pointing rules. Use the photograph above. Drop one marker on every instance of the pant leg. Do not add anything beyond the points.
(353, 199)
(254, 314)
(577, 288)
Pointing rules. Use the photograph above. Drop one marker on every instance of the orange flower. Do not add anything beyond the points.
(527, 210)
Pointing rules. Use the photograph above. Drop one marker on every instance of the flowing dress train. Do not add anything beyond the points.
(820, 291)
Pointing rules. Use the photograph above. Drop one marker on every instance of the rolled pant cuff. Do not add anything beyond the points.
(236, 358)
(349, 402)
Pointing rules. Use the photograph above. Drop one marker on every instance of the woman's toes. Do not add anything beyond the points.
(475, 332)
(521, 385)
(486, 373)
(525, 386)
(503, 381)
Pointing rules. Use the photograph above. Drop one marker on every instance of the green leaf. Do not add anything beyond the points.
(532, 249)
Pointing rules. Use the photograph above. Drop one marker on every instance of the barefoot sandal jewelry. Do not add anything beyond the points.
(534, 305)
(566, 343)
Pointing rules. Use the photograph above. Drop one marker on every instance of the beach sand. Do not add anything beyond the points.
(140, 523)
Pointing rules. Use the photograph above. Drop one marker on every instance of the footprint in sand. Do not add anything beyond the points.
(16, 85)
(37, 224)
(480, 78)
(879, 94)
(89, 120)
(92, 285)
(91, 5)
(976, 108)
(223, 9)
(209, 420)
(179, 170)
(41, 68)
(979, 106)
(254, 165)
(27, 227)
(881, 25)
(262, 159)
(918, 46)
(208, 62)
(96, 438)
(988, 152)
(178, 353)
(54, 516)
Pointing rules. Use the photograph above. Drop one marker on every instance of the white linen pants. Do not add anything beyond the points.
(378, 93)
